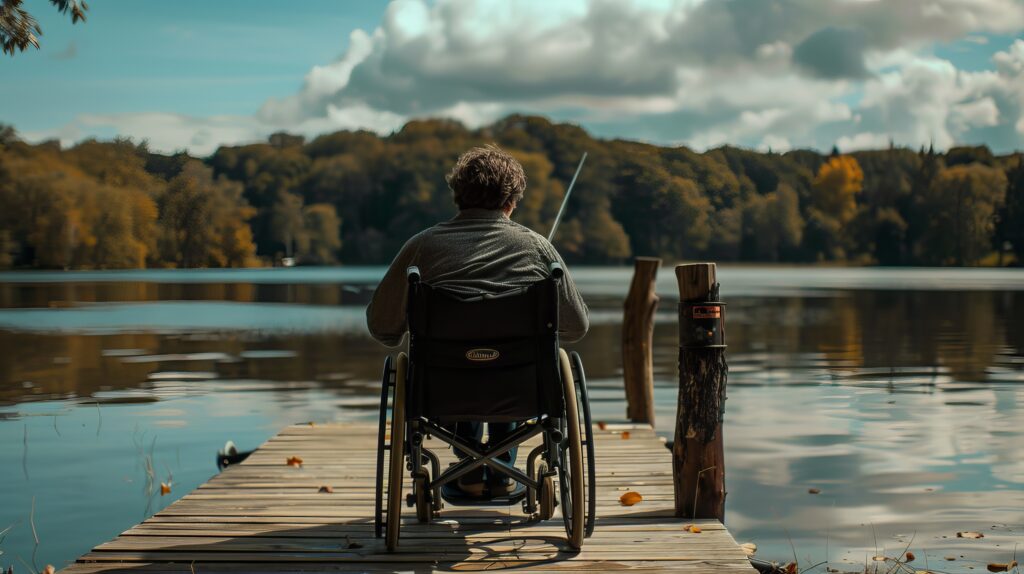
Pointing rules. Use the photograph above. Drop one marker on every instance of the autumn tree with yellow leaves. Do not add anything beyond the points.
(355, 197)
(833, 204)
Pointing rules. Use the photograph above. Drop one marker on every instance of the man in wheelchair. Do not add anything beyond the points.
(479, 278)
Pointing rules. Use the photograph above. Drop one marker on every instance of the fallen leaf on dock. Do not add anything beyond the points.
(164, 488)
(814, 491)
(602, 425)
(294, 461)
(749, 548)
(692, 528)
(625, 435)
(969, 535)
(630, 498)
(326, 489)
(1002, 567)
(792, 568)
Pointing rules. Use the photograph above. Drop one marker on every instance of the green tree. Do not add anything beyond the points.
(323, 228)
(962, 204)
(288, 226)
(667, 216)
(1012, 216)
(774, 225)
(204, 221)
(18, 28)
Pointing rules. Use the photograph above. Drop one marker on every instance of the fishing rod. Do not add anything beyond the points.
(561, 210)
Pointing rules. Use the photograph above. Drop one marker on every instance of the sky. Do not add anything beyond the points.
(763, 74)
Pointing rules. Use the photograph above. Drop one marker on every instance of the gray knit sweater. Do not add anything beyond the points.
(477, 251)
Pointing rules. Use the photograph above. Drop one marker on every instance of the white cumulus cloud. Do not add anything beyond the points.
(778, 73)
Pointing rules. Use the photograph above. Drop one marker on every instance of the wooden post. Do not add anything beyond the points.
(698, 454)
(637, 340)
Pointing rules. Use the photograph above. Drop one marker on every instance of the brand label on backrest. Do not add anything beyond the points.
(482, 354)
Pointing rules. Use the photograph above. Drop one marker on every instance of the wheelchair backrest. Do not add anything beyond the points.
(484, 358)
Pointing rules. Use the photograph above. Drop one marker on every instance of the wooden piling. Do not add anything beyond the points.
(698, 454)
(637, 340)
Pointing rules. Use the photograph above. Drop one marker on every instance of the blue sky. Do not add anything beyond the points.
(192, 57)
(760, 73)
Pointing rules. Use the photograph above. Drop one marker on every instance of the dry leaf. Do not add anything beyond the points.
(969, 535)
(792, 568)
(1002, 567)
(294, 461)
(602, 425)
(909, 556)
(625, 435)
(49, 569)
(630, 498)
(164, 488)
(693, 528)
(749, 548)
(326, 489)
(814, 491)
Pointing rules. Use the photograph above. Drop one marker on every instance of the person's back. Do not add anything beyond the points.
(480, 250)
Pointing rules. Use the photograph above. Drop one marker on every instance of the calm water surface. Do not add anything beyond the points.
(897, 393)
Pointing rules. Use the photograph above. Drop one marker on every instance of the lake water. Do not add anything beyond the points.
(896, 393)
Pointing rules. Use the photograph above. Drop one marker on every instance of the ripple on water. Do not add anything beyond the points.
(174, 357)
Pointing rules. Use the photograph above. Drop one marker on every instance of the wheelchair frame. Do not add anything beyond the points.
(566, 449)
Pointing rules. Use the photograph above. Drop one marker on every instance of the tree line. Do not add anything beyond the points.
(354, 197)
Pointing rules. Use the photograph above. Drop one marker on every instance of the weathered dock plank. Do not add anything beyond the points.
(266, 516)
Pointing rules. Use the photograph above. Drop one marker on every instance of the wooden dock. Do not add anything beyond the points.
(266, 516)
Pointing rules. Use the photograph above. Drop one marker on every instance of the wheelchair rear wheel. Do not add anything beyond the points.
(382, 429)
(588, 441)
(395, 476)
(570, 475)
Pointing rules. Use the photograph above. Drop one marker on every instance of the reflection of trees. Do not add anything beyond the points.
(68, 366)
(51, 366)
(964, 331)
(971, 337)
(959, 330)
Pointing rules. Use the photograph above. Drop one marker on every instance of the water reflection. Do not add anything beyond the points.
(901, 406)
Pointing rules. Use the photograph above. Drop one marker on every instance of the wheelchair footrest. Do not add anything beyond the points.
(454, 496)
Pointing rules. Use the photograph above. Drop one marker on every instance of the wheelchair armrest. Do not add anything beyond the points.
(412, 273)
(555, 270)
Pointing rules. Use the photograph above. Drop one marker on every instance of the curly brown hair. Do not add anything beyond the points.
(486, 177)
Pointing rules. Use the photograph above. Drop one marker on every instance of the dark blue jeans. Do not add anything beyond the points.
(474, 432)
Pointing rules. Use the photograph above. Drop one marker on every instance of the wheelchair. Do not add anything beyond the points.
(494, 359)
